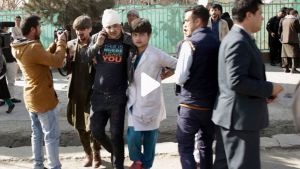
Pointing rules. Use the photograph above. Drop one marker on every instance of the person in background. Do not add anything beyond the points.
(217, 25)
(145, 112)
(131, 15)
(39, 95)
(241, 109)
(11, 69)
(274, 39)
(80, 90)
(4, 94)
(196, 73)
(225, 16)
(16, 32)
(290, 41)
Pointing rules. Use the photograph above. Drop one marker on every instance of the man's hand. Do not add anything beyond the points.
(62, 36)
(166, 73)
(273, 34)
(276, 90)
(101, 37)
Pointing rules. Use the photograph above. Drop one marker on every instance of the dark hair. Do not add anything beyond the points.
(18, 17)
(28, 23)
(141, 25)
(199, 11)
(225, 15)
(293, 12)
(82, 22)
(217, 6)
(283, 10)
(241, 7)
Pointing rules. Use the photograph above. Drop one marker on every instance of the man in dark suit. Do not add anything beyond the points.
(274, 43)
(241, 108)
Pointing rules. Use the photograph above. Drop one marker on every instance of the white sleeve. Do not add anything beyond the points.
(184, 64)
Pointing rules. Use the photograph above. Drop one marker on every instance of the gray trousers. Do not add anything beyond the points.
(237, 149)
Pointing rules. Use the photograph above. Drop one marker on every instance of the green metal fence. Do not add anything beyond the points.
(167, 22)
(47, 29)
(269, 10)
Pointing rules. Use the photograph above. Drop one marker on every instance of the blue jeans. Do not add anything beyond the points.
(136, 139)
(45, 125)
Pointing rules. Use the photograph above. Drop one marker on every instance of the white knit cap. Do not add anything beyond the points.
(110, 17)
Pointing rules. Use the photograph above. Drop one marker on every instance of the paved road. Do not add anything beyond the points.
(271, 159)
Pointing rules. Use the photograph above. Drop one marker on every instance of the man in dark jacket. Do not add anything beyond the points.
(241, 108)
(11, 69)
(4, 94)
(110, 51)
(196, 73)
(274, 43)
(80, 89)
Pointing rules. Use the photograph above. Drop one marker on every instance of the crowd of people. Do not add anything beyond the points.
(283, 30)
(222, 88)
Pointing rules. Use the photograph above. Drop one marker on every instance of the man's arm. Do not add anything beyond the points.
(269, 25)
(1, 60)
(93, 47)
(184, 64)
(237, 67)
(297, 25)
(43, 57)
(280, 28)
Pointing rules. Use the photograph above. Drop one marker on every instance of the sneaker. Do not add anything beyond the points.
(136, 165)
(14, 100)
(10, 108)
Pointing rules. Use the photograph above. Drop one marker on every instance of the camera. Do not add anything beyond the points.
(5, 38)
(58, 31)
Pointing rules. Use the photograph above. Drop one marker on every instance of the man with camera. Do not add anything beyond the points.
(39, 95)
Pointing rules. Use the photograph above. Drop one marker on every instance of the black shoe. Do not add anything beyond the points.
(10, 108)
(287, 71)
(295, 71)
(2, 103)
(14, 100)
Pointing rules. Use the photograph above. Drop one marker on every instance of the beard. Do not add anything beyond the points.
(37, 36)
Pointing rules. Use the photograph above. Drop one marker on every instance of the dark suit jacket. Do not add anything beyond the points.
(241, 103)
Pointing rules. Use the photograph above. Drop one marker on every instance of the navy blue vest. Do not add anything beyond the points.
(202, 86)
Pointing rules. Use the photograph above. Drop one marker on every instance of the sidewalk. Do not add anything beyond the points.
(15, 127)
(166, 158)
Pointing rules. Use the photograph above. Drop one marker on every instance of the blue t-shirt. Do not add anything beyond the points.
(215, 28)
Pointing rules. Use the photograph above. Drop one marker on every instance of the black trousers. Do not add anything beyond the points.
(115, 144)
(237, 149)
(275, 50)
(190, 122)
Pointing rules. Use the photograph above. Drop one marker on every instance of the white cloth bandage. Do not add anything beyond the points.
(110, 17)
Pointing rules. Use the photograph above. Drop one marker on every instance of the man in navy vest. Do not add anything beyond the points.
(196, 73)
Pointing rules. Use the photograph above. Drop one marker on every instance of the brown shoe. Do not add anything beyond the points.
(88, 161)
(97, 160)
